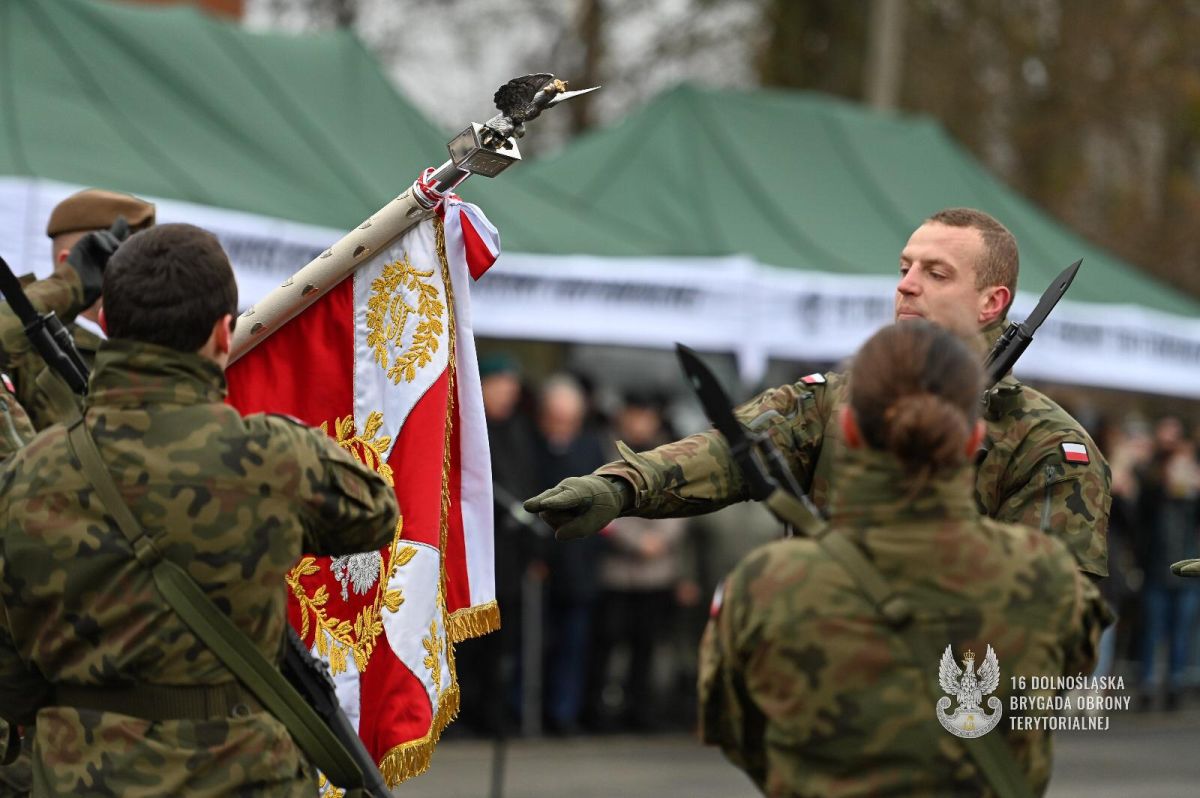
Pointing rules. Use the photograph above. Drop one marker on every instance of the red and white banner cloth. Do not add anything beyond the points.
(385, 363)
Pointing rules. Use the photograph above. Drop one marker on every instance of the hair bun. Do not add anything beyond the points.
(924, 430)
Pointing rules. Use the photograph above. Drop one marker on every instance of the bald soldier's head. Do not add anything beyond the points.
(958, 270)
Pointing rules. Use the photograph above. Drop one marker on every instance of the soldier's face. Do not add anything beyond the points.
(937, 278)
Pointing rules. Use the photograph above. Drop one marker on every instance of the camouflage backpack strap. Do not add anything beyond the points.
(217, 631)
(993, 757)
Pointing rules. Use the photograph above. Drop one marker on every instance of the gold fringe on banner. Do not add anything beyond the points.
(412, 758)
(473, 621)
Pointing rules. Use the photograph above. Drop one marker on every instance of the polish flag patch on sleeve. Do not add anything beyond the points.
(718, 599)
(813, 379)
(1075, 453)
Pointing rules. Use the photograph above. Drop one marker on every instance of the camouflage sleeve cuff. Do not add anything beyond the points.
(61, 292)
(687, 477)
(627, 469)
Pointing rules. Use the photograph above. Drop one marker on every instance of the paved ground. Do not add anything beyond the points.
(1150, 756)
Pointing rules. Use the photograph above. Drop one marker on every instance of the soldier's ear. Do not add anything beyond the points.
(222, 334)
(975, 440)
(102, 320)
(850, 431)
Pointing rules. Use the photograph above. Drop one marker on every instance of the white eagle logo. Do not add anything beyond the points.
(969, 687)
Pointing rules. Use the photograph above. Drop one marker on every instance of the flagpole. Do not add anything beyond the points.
(486, 149)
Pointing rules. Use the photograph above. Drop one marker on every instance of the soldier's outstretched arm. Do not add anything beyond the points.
(692, 476)
(698, 474)
(348, 507)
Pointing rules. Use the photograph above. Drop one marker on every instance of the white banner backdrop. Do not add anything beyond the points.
(712, 304)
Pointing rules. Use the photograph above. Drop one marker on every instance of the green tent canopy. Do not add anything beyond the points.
(171, 103)
(804, 181)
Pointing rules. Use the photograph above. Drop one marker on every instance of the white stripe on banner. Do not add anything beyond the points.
(476, 473)
(346, 684)
(408, 627)
(413, 297)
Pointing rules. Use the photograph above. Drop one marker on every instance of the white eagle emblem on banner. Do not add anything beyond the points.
(969, 687)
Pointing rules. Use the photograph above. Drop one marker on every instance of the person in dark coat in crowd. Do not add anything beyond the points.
(573, 585)
(489, 666)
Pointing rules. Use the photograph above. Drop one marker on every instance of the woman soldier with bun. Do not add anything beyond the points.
(816, 685)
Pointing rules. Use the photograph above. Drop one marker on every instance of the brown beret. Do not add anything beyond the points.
(96, 209)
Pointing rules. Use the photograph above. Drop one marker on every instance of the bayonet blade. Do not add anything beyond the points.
(712, 396)
(719, 410)
(1050, 297)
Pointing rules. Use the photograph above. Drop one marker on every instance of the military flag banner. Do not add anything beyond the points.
(384, 362)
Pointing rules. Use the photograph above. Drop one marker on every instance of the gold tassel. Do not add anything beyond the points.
(473, 621)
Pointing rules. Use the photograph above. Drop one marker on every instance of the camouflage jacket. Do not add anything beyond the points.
(61, 292)
(806, 688)
(234, 501)
(15, 427)
(1026, 477)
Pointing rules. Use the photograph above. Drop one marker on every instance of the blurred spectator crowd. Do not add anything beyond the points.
(600, 635)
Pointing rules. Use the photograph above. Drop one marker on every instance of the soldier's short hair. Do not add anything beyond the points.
(167, 285)
(1001, 260)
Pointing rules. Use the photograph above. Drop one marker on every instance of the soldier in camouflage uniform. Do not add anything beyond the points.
(72, 291)
(80, 245)
(958, 270)
(15, 427)
(804, 684)
(87, 644)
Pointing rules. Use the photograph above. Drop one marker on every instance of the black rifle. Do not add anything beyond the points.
(46, 332)
(305, 672)
(768, 478)
(1017, 336)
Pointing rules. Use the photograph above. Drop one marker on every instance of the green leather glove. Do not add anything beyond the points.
(1186, 568)
(581, 506)
(90, 255)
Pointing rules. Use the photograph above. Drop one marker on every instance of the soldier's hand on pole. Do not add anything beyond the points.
(581, 506)
(90, 256)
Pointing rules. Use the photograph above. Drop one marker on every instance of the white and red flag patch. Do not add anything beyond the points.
(385, 364)
(1075, 453)
(813, 379)
(714, 609)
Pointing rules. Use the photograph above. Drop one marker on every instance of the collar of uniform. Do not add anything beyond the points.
(989, 335)
(1006, 393)
(135, 373)
(873, 487)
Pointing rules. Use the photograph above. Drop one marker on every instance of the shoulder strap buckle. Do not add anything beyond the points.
(146, 552)
(896, 610)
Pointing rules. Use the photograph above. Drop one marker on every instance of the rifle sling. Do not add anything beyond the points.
(990, 752)
(216, 630)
